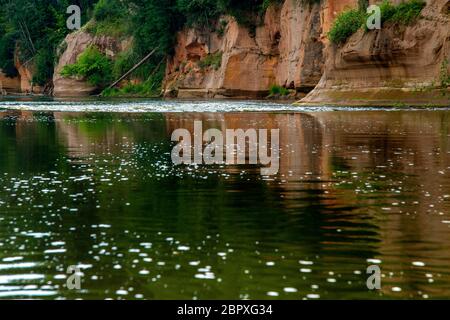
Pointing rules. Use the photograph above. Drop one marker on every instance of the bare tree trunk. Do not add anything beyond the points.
(29, 37)
(132, 69)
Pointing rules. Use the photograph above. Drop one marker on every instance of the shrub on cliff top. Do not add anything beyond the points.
(92, 65)
(405, 13)
(109, 9)
(348, 22)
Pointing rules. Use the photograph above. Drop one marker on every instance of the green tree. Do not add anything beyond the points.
(36, 28)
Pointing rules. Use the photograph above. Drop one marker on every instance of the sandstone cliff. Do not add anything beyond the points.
(287, 49)
(394, 64)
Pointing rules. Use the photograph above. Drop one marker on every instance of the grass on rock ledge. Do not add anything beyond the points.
(213, 60)
(278, 91)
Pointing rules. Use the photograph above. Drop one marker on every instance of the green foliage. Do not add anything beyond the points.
(43, 61)
(145, 89)
(110, 18)
(222, 28)
(276, 90)
(346, 24)
(92, 65)
(112, 28)
(203, 12)
(155, 23)
(405, 13)
(123, 62)
(199, 12)
(109, 9)
(350, 21)
(36, 27)
(213, 60)
(246, 13)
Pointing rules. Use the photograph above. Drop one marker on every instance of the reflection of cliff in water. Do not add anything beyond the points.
(374, 180)
(299, 133)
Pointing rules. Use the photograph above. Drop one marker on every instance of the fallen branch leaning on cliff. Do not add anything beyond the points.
(132, 69)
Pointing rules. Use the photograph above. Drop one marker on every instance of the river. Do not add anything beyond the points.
(92, 185)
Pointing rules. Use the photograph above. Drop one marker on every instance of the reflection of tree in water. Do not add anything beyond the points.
(24, 136)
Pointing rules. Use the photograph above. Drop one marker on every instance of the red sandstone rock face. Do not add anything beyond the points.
(287, 50)
(247, 65)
